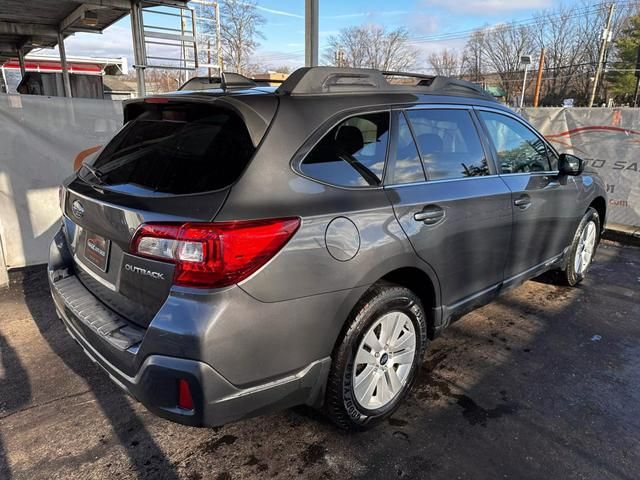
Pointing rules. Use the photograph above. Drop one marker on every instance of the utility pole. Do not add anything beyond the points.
(183, 52)
(526, 61)
(524, 84)
(218, 41)
(311, 33)
(138, 46)
(637, 74)
(536, 97)
(209, 56)
(66, 81)
(606, 38)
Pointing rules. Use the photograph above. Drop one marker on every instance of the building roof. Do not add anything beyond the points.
(116, 84)
(85, 65)
(30, 24)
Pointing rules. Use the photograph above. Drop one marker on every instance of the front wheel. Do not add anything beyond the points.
(376, 361)
(583, 248)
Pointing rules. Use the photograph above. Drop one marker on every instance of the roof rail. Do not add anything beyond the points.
(420, 76)
(322, 80)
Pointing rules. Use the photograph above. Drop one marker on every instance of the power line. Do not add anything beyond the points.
(531, 21)
(467, 33)
(526, 22)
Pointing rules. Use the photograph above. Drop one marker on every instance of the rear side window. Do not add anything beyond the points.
(352, 154)
(449, 143)
(519, 149)
(177, 149)
(405, 166)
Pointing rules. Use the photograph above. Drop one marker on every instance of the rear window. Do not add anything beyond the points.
(177, 149)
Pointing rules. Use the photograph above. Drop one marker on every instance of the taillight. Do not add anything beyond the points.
(213, 255)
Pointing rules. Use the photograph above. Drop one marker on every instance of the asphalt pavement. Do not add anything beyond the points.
(543, 383)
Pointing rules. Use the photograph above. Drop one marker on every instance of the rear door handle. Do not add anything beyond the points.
(523, 202)
(429, 215)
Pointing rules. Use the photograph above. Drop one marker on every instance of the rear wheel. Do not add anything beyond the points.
(583, 248)
(376, 361)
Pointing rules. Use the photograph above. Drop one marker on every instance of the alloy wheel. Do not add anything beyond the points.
(586, 246)
(383, 360)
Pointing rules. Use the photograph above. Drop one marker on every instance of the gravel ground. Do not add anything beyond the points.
(543, 383)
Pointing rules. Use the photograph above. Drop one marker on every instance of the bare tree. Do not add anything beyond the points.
(571, 42)
(446, 62)
(472, 63)
(239, 30)
(570, 37)
(282, 69)
(159, 80)
(371, 46)
(503, 47)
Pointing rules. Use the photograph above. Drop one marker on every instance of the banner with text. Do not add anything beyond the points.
(608, 139)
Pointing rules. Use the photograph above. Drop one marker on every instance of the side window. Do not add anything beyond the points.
(449, 143)
(519, 149)
(405, 166)
(352, 154)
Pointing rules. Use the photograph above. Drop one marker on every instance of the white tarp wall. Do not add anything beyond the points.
(39, 140)
(608, 140)
(41, 136)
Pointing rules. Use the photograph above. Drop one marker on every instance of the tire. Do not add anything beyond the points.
(345, 404)
(581, 254)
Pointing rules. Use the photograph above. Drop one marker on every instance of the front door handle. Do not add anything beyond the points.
(523, 202)
(429, 215)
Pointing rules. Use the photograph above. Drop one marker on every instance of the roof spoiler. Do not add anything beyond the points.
(322, 80)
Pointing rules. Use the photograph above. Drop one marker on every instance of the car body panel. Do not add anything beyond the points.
(467, 247)
(267, 341)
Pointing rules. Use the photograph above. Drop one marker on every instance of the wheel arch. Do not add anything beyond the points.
(422, 284)
(600, 205)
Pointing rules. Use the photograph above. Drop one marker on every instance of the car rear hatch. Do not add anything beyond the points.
(174, 161)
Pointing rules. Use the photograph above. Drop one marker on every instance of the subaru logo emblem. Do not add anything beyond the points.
(77, 209)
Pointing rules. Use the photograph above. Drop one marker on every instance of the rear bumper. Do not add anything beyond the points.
(115, 345)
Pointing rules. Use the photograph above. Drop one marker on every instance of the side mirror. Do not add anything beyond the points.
(570, 164)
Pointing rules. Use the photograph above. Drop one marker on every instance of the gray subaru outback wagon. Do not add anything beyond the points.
(243, 249)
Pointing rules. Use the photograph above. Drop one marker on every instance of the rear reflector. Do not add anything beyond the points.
(213, 255)
(185, 401)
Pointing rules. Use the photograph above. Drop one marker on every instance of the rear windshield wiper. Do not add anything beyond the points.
(95, 173)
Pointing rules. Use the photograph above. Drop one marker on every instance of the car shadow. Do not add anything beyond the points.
(15, 393)
(521, 416)
(149, 460)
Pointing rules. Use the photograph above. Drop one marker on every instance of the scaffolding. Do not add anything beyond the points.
(166, 33)
(207, 14)
(26, 25)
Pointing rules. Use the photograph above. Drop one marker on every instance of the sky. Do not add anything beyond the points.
(283, 30)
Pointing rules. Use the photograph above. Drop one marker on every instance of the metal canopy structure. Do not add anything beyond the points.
(29, 24)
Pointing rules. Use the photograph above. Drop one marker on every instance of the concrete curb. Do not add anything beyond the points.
(623, 234)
